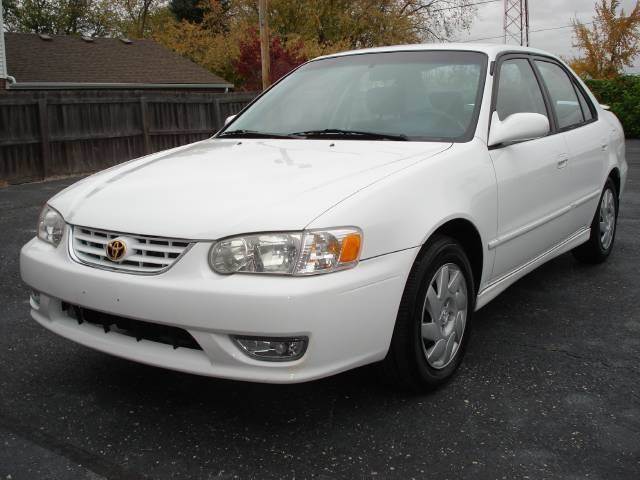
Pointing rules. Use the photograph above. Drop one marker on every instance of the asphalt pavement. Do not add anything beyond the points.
(550, 389)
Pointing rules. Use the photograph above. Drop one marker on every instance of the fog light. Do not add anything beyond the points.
(273, 349)
(35, 298)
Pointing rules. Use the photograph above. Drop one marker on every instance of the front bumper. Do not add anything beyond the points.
(348, 316)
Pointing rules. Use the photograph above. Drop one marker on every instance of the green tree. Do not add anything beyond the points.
(92, 17)
(85, 17)
(189, 10)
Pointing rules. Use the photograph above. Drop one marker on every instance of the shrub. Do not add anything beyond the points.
(622, 94)
(248, 65)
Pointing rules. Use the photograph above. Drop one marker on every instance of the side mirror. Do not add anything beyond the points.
(229, 119)
(517, 127)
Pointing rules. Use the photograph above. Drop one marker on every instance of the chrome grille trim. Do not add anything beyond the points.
(153, 255)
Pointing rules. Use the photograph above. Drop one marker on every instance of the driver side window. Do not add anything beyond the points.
(518, 90)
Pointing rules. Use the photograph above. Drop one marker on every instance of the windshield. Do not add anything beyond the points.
(418, 95)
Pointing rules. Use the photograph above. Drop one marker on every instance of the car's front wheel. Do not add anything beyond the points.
(603, 228)
(433, 323)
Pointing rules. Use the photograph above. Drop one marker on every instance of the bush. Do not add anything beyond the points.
(622, 94)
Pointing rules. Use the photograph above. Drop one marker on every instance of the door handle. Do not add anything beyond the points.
(563, 160)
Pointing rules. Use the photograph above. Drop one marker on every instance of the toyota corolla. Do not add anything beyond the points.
(358, 211)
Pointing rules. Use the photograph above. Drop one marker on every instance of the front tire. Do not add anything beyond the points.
(603, 228)
(433, 324)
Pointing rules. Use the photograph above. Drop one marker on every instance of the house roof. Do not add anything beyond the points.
(60, 60)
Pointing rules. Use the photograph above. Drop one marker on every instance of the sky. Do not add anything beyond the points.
(543, 14)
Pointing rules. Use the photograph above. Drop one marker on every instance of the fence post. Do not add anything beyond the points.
(218, 112)
(45, 150)
(144, 116)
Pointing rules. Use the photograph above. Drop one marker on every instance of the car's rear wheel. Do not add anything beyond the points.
(433, 323)
(603, 228)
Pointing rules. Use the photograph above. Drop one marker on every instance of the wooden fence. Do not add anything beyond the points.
(51, 134)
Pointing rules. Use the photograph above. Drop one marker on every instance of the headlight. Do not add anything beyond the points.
(288, 253)
(50, 226)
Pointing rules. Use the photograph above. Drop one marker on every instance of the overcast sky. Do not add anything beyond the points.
(543, 14)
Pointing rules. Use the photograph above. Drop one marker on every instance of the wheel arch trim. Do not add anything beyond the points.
(614, 174)
(455, 226)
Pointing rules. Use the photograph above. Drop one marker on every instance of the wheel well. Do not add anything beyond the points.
(615, 176)
(466, 233)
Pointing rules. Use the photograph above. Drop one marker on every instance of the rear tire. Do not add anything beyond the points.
(603, 228)
(433, 324)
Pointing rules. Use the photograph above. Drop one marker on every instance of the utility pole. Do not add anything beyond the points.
(516, 22)
(263, 19)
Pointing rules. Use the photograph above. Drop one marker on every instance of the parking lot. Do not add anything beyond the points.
(550, 388)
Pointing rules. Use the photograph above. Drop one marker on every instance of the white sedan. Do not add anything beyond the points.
(359, 211)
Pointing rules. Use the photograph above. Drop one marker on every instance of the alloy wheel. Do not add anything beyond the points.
(607, 219)
(444, 316)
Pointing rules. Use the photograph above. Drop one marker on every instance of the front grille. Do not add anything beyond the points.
(174, 336)
(150, 254)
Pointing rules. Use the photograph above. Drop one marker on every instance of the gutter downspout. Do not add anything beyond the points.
(3, 57)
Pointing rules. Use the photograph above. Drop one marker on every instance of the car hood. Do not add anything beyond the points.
(216, 188)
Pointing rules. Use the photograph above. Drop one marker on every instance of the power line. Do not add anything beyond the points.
(559, 28)
(475, 4)
(532, 31)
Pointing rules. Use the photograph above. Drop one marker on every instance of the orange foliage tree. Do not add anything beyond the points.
(610, 43)
(220, 34)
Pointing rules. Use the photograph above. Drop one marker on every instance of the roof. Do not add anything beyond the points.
(491, 49)
(64, 60)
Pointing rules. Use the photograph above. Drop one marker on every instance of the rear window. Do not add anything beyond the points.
(563, 94)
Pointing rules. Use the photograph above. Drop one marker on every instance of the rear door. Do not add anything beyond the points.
(532, 178)
(587, 139)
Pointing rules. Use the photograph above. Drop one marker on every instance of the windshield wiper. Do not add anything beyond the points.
(255, 134)
(336, 132)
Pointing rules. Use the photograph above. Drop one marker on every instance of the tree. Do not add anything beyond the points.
(137, 15)
(64, 17)
(83, 17)
(217, 33)
(610, 44)
(189, 10)
(283, 59)
(212, 43)
(363, 23)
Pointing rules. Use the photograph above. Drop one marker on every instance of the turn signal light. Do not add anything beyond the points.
(350, 248)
